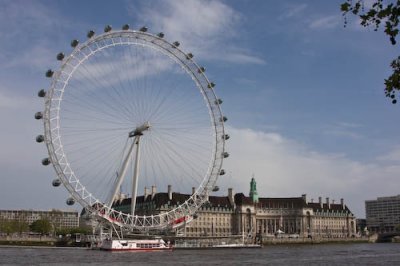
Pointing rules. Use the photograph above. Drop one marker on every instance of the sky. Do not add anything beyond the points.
(303, 95)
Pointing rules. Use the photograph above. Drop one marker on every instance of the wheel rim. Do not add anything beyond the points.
(64, 104)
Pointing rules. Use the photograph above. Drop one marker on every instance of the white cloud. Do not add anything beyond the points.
(111, 68)
(28, 29)
(392, 157)
(343, 129)
(244, 59)
(293, 10)
(284, 167)
(326, 22)
(11, 102)
(207, 28)
(39, 56)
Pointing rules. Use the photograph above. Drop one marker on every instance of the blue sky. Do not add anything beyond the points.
(304, 95)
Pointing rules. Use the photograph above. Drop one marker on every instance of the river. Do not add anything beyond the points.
(323, 254)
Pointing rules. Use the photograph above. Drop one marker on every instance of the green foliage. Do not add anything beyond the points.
(397, 228)
(41, 226)
(381, 12)
(21, 226)
(72, 231)
(13, 226)
(6, 226)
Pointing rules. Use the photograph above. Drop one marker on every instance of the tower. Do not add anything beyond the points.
(253, 190)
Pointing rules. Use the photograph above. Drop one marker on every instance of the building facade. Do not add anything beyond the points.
(237, 214)
(59, 219)
(383, 214)
(213, 218)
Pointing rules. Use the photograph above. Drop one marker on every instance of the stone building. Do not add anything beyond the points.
(237, 214)
(60, 219)
(293, 216)
(214, 218)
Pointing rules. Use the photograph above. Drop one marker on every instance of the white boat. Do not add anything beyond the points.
(135, 245)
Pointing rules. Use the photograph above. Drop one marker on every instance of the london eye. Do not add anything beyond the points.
(128, 110)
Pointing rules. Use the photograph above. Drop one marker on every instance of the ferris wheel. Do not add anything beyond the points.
(126, 111)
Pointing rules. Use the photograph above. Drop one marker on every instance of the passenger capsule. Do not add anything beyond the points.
(49, 73)
(189, 56)
(218, 101)
(226, 137)
(42, 93)
(201, 70)
(39, 138)
(176, 44)
(211, 85)
(215, 189)
(225, 154)
(223, 119)
(38, 115)
(107, 28)
(60, 56)
(90, 34)
(125, 27)
(222, 172)
(56, 182)
(70, 201)
(160, 35)
(74, 43)
(143, 29)
(46, 161)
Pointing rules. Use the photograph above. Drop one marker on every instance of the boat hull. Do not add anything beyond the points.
(135, 245)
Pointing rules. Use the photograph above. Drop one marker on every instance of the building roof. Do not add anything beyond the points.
(241, 199)
(332, 207)
(160, 199)
(297, 202)
(294, 203)
(291, 203)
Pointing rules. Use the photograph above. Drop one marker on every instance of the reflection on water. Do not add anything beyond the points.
(327, 254)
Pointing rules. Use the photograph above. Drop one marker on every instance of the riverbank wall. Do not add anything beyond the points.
(41, 242)
(314, 240)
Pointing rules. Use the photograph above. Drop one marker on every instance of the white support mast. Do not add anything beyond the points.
(136, 134)
(135, 176)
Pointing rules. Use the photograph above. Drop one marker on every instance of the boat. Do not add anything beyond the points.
(135, 245)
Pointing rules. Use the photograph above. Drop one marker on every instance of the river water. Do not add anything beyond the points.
(323, 254)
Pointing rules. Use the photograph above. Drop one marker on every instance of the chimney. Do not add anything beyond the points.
(312, 200)
(320, 202)
(304, 196)
(193, 190)
(230, 196)
(153, 191)
(146, 193)
(327, 203)
(342, 203)
(169, 192)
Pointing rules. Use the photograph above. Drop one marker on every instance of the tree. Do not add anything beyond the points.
(6, 226)
(73, 230)
(381, 12)
(397, 228)
(20, 226)
(41, 226)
